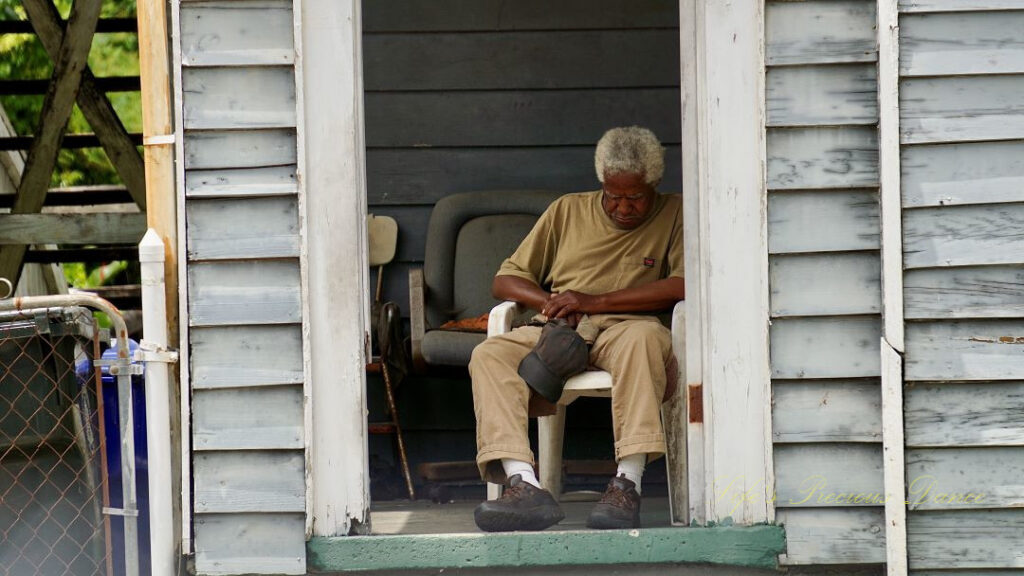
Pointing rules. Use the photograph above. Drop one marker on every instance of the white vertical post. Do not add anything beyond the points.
(333, 186)
(733, 259)
(692, 392)
(158, 407)
(889, 171)
(892, 345)
(893, 465)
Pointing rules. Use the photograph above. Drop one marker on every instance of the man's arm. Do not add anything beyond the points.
(658, 295)
(517, 289)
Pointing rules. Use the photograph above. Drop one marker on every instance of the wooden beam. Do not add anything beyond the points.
(39, 86)
(67, 75)
(98, 112)
(70, 141)
(78, 196)
(105, 254)
(102, 26)
(90, 228)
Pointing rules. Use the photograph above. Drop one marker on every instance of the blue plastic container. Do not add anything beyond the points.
(108, 385)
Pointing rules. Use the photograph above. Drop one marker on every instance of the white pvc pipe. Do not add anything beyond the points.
(158, 410)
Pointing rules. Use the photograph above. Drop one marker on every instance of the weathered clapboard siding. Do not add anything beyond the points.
(422, 176)
(961, 108)
(236, 543)
(233, 293)
(257, 481)
(822, 95)
(951, 415)
(496, 15)
(232, 33)
(965, 478)
(239, 119)
(962, 43)
(271, 419)
(965, 173)
(819, 32)
(456, 61)
(243, 356)
(964, 292)
(259, 227)
(218, 100)
(825, 284)
(966, 539)
(824, 235)
(239, 149)
(822, 157)
(246, 182)
(822, 221)
(965, 350)
(826, 411)
(963, 235)
(515, 117)
(825, 347)
(819, 475)
(851, 535)
(911, 6)
(962, 129)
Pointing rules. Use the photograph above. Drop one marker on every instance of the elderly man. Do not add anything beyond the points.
(608, 257)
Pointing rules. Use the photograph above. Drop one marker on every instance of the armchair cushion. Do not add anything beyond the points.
(450, 347)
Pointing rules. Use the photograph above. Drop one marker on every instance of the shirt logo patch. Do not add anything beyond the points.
(649, 262)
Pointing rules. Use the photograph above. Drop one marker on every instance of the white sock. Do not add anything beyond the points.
(513, 467)
(632, 467)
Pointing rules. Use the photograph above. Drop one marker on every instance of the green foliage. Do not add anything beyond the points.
(112, 54)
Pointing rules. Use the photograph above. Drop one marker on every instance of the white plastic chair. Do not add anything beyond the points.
(596, 383)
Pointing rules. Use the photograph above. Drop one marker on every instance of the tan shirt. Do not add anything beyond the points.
(575, 246)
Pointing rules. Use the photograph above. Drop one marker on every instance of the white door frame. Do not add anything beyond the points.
(725, 211)
(337, 307)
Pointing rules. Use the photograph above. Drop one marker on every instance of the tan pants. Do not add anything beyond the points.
(633, 349)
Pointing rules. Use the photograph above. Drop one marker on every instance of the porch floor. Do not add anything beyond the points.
(425, 517)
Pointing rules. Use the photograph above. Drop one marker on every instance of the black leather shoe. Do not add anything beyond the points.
(522, 506)
(618, 508)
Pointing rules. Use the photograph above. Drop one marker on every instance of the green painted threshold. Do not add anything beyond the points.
(751, 546)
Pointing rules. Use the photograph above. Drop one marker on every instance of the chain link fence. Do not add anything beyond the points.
(54, 486)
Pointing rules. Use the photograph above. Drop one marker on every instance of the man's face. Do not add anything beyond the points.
(627, 199)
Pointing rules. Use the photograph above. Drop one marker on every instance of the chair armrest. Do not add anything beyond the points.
(500, 319)
(679, 338)
(417, 317)
(679, 317)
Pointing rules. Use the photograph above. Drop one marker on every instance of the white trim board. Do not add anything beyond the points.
(725, 128)
(337, 278)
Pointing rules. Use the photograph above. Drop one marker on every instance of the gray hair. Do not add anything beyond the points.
(630, 149)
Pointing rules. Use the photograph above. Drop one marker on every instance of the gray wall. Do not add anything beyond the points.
(962, 133)
(468, 95)
(824, 275)
(245, 319)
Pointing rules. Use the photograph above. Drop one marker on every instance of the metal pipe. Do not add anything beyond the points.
(158, 407)
(122, 370)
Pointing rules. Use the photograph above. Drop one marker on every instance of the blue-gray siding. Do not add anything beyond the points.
(962, 129)
(824, 278)
(245, 308)
(491, 95)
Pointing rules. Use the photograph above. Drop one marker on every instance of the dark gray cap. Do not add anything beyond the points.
(559, 354)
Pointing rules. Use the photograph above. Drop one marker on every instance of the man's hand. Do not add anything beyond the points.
(570, 305)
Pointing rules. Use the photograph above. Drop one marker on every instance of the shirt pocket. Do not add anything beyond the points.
(637, 270)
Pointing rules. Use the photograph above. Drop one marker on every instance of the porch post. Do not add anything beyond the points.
(333, 185)
(727, 259)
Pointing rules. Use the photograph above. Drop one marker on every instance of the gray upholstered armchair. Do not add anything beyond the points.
(468, 237)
